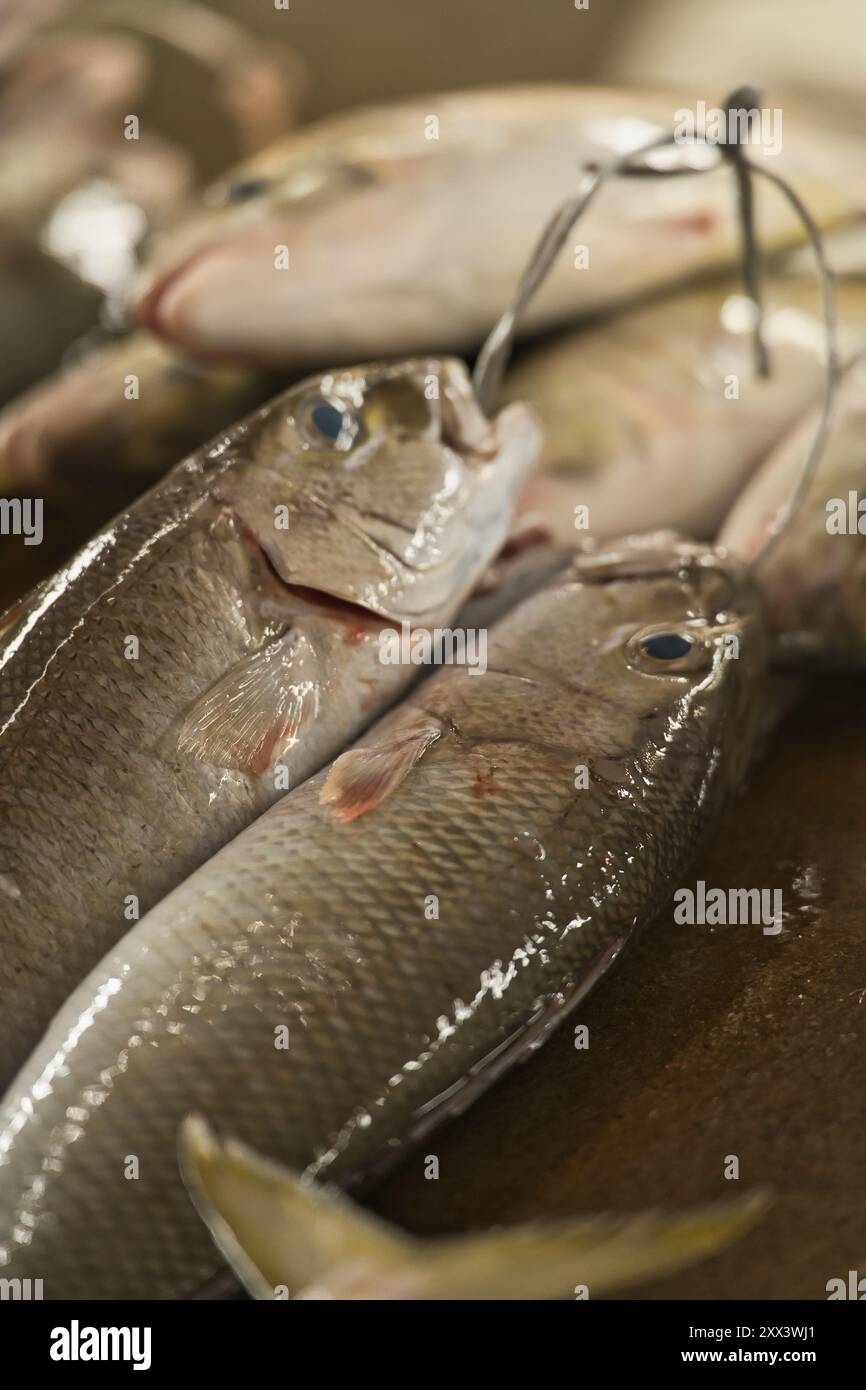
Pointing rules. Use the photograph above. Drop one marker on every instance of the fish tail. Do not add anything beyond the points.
(288, 1237)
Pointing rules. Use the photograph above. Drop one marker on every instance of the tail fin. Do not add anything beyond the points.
(287, 1237)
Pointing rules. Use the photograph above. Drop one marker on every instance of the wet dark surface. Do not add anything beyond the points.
(707, 1042)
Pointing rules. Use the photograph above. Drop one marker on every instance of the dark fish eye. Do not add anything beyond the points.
(329, 422)
(666, 646)
(244, 189)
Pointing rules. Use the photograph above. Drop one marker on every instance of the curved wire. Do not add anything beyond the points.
(828, 306)
(493, 357)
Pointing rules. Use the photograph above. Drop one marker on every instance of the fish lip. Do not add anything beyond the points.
(149, 301)
(148, 296)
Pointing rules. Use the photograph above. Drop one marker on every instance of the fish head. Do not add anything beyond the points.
(383, 486)
(297, 251)
(650, 642)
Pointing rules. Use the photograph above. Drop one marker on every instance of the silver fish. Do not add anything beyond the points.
(404, 228)
(378, 947)
(220, 641)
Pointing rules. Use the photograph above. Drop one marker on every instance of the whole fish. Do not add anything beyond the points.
(379, 946)
(220, 641)
(405, 227)
(657, 417)
(814, 580)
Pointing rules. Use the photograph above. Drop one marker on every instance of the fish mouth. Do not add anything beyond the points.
(462, 424)
(158, 304)
(388, 582)
(334, 601)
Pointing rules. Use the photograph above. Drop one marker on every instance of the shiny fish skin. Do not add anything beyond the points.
(318, 923)
(117, 776)
(401, 243)
(639, 426)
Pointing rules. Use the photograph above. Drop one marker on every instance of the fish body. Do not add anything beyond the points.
(657, 417)
(384, 942)
(219, 642)
(406, 227)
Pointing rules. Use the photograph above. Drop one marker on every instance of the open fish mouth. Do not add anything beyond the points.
(404, 564)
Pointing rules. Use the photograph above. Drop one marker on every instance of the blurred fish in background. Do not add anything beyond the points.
(111, 116)
(84, 176)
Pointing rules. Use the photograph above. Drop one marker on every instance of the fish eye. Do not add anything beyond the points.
(245, 189)
(666, 646)
(329, 423)
(663, 651)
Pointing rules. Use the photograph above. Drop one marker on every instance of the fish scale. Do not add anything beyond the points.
(119, 776)
(318, 923)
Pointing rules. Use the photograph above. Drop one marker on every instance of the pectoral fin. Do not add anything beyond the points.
(361, 778)
(258, 707)
(282, 1233)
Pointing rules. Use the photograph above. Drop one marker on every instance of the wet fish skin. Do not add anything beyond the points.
(640, 425)
(257, 647)
(399, 242)
(316, 920)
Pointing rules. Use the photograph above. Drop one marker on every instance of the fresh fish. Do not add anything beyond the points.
(384, 942)
(220, 641)
(290, 1239)
(657, 418)
(814, 580)
(404, 227)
